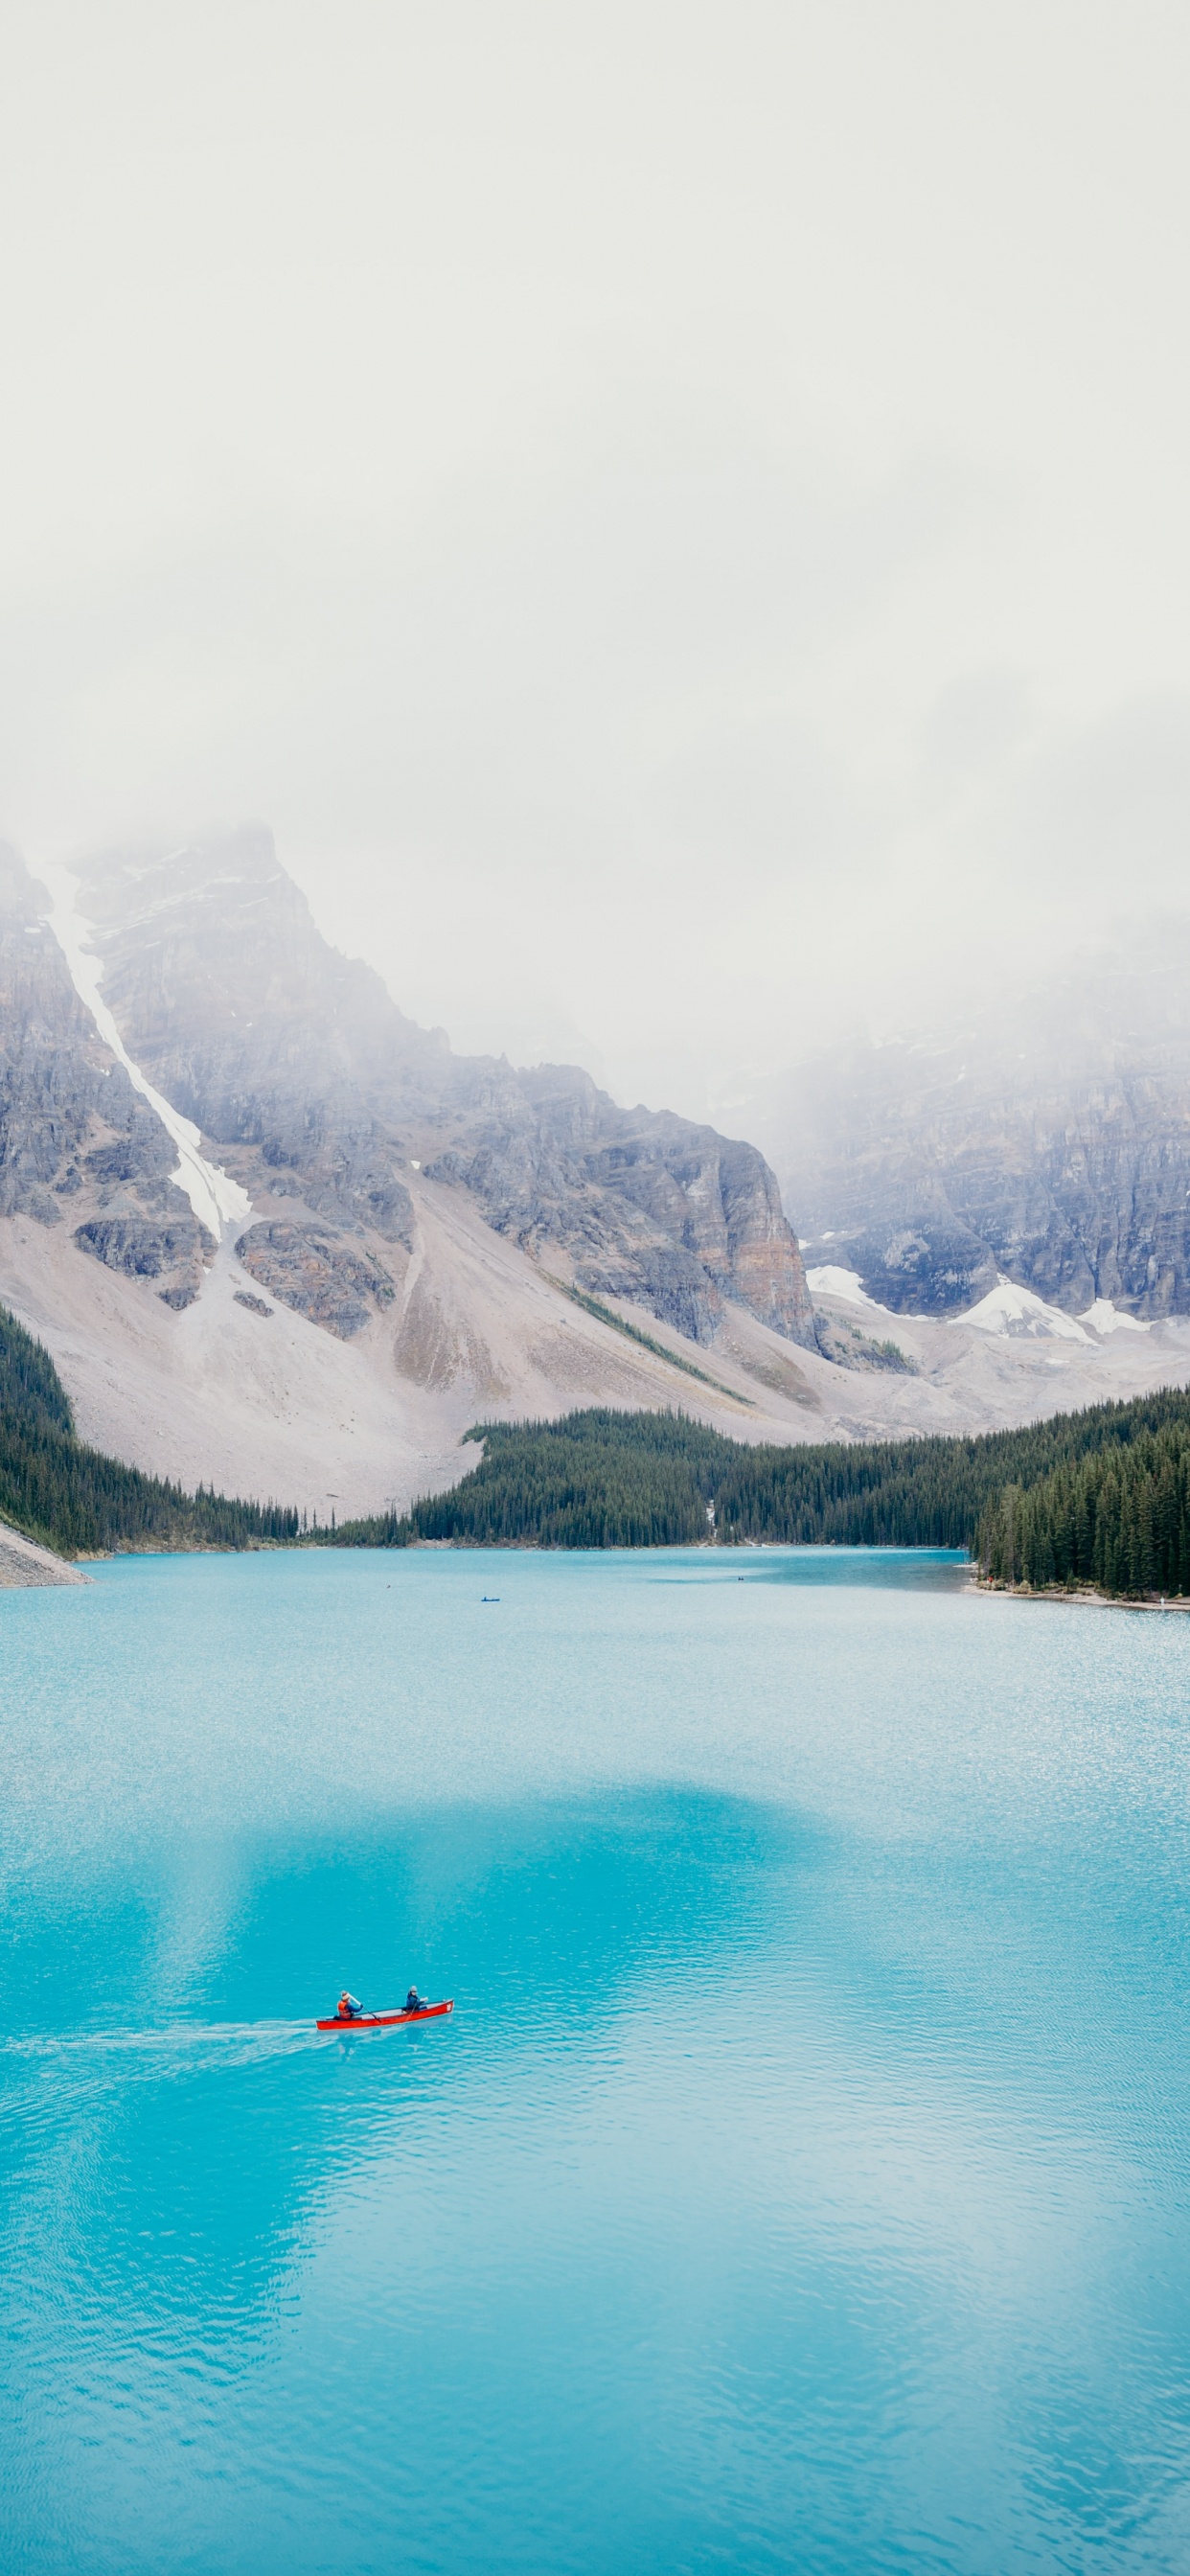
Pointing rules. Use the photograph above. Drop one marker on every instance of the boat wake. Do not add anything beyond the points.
(235, 2043)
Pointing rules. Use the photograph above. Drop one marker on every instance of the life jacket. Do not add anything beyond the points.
(345, 2013)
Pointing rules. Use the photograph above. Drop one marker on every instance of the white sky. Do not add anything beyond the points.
(676, 514)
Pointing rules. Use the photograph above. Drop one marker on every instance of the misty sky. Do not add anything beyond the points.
(675, 514)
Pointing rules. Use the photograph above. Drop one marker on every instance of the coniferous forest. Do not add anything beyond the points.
(1096, 1498)
(81, 1503)
(1100, 1497)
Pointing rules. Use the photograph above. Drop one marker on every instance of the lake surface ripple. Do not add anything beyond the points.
(802, 2182)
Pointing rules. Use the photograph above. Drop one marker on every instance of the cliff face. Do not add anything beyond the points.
(1052, 1144)
(77, 1143)
(647, 1206)
(242, 1016)
(67, 1112)
(275, 1045)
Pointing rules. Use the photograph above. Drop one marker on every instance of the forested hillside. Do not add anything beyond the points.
(80, 1503)
(1106, 1492)
(1119, 1520)
(1101, 1497)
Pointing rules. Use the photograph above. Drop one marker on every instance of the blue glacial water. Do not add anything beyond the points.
(803, 2182)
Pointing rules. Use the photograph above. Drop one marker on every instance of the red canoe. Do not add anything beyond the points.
(384, 2021)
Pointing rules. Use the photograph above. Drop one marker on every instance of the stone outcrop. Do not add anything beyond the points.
(306, 1078)
(649, 1207)
(328, 1280)
(150, 1248)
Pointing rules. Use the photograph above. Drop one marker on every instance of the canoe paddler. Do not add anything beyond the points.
(414, 2002)
(348, 2007)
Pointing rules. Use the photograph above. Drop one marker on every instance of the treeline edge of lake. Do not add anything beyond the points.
(1098, 1498)
(78, 1501)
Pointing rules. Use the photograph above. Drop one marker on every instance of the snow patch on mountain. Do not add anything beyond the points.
(1104, 1317)
(1021, 1315)
(831, 1281)
(218, 1201)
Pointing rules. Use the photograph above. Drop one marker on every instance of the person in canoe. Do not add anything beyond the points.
(348, 2007)
(414, 2002)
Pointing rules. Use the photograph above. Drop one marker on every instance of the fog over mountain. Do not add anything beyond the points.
(296, 1058)
(1045, 1138)
(280, 1239)
(675, 517)
(588, 608)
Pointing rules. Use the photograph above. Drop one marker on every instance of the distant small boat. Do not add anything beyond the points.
(384, 2020)
(492, 1597)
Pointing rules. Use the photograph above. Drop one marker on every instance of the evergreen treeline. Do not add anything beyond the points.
(1107, 1492)
(1101, 1497)
(81, 1503)
(583, 1483)
(1119, 1520)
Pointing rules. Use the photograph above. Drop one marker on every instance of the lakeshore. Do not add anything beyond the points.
(1083, 1594)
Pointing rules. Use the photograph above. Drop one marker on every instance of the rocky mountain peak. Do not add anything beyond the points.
(211, 948)
(245, 1019)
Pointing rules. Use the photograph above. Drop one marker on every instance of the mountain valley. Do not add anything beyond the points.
(279, 1239)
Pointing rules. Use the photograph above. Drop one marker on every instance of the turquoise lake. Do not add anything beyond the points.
(803, 2181)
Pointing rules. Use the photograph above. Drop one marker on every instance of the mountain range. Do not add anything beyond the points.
(1045, 1139)
(296, 1060)
(279, 1238)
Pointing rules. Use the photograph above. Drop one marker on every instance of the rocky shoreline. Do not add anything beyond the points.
(1083, 1594)
(23, 1563)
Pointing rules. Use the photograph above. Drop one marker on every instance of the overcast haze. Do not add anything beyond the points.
(675, 515)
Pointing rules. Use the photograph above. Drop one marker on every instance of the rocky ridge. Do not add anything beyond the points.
(394, 1224)
(312, 1086)
(314, 1271)
(1047, 1142)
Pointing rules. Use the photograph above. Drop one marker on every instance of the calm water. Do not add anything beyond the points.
(802, 2182)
